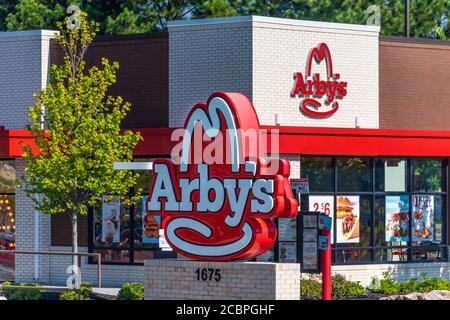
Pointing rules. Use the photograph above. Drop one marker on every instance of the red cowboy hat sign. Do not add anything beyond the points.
(311, 88)
(219, 211)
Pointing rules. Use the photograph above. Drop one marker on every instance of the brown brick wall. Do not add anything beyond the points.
(414, 84)
(142, 78)
(61, 230)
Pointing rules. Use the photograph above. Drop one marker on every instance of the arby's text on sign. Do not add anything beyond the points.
(221, 210)
(319, 96)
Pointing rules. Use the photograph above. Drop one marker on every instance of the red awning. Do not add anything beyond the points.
(292, 140)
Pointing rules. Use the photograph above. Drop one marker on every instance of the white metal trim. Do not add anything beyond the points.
(133, 165)
(283, 21)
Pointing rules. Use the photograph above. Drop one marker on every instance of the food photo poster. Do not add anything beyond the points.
(111, 220)
(423, 217)
(323, 204)
(150, 225)
(347, 219)
(397, 218)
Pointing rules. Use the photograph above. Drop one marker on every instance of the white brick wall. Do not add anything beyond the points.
(24, 68)
(258, 56)
(176, 279)
(206, 59)
(400, 271)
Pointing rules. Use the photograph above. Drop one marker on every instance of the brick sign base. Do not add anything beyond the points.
(197, 280)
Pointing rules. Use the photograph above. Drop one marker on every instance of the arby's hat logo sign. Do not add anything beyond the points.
(221, 211)
(313, 89)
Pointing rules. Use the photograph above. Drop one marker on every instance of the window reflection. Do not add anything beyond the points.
(353, 174)
(320, 172)
(427, 175)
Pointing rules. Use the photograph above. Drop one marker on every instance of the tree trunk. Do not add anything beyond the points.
(75, 236)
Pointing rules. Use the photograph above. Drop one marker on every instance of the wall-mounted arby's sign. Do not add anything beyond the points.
(319, 95)
(221, 211)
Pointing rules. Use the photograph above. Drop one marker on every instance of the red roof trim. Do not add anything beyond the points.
(292, 140)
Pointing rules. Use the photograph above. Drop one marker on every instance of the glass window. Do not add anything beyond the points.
(406, 224)
(395, 254)
(353, 228)
(146, 227)
(390, 175)
(7, 176)
(427, 175)
(392, 220)
(112, 235)
(320, 172)
(136, 236)
(426, 219)
(353, 174)
(7, 219)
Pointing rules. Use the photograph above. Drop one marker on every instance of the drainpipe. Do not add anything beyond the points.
(36, 242)
(37, 220)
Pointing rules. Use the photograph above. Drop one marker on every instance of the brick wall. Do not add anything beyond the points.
(401, 271)
(142, 78)
(258, 56)
(204, 59)
(23, 66)
(176, 279)
(414, 84)
(112, 275)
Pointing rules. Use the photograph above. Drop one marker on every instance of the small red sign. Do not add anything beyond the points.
(311, 87)
(221, 211)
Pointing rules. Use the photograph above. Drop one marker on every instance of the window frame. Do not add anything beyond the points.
(374, 194)
(131, 247)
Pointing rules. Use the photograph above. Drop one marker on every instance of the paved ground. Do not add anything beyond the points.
(106, 293)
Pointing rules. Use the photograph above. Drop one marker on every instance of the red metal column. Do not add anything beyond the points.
(326, 268)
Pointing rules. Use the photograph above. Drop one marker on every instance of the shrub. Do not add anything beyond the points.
(387, 285)
(341, 287)
(21, 294)
(310, 287)
(131, 291)
(390, 286)
(85, 293)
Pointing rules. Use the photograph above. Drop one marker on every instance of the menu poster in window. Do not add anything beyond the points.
(111, 220)
(323, 204)
(150, 226)
(423, 217)
(310, 256)
(347, 219)
(287, 229)
(397, 218)
(288, 251)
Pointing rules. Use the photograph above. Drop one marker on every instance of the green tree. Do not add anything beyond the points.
(6, 7)
(127, 22)
(131, 16)
(33, 14)
(77, 134)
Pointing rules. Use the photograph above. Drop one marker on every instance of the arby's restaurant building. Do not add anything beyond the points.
(365, 118)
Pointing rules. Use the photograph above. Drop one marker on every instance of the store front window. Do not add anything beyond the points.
(7, 218)
(383, 209)
(130, 238)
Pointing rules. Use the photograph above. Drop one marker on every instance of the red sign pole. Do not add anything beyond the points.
(326, 269)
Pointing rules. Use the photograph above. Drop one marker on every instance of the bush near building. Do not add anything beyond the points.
(85, 293)
(311, 287)
(423, 284)
(21, 294)
(131, 291)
